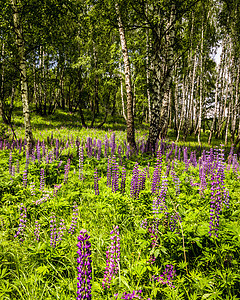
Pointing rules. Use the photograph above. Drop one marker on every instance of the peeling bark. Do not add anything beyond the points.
(130, 118)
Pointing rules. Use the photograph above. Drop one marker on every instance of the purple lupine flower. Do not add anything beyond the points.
(157, 173)
(50, 157)
(119, 150)
(109, 172)
(25, 178)
(203, 182)
(177, 182)
(67, 144)
(174, 219)
(38, 152)
(46, 196)
(74, 218)
(219, 195)
(84, 269)
(42, 180)
(43, 149)
(130, 296)
(193, 158)
(154, 233)
(123, 182)
(56, 189)
(221, 171)
(176, 152)
(32, 188)
(89, 147)
(47, 158)
(99, 146)
(167, 276)
(168, 170)
(13, 171)
(10, 163)
(27, 160)
(112, 258)
(115, 175)
(144, 224)
(66, 171)
(96, 186)
(57, 149)
(22, 223)
(61, 231)
(159, 208)
(113, 144)
(37, 231)
(168, 155)
(80, 149)
(142, 180)
(59, 165)
(135, 182)
(215, 206)
(53, 231)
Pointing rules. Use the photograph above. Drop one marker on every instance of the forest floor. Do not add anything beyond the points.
(170, 221)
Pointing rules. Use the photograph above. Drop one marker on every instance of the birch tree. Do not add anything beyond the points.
(18, 29)
(130, 118)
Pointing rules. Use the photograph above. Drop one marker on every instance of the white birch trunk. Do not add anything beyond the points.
(130, 118)
(23, 71)
(122, 94)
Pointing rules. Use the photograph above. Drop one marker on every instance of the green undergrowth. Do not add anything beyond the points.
(206, 267)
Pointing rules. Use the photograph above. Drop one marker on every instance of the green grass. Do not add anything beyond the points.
(32, 270)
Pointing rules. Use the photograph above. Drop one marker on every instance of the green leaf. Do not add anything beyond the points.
(42, 270)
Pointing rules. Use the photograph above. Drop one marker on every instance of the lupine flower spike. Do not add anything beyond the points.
(113, 258)
(96, 186)
(130, 296)
(53, 230)
(22, 223)
(84, 266)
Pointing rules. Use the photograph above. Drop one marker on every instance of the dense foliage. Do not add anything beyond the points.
(84, 216)
(70, 55)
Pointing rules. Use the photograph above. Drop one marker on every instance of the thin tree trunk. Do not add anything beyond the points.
(23, 72)
(130, 118)
(176, 104)
(161, 79)
(122, 95)
(191, 101)
(182, 110)
(163, 124)
(225, 91)
(201, 90)
(148, 75)
(229, 113)
(216, 101)
(2, 110)
(44, 86)
(234, 107)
